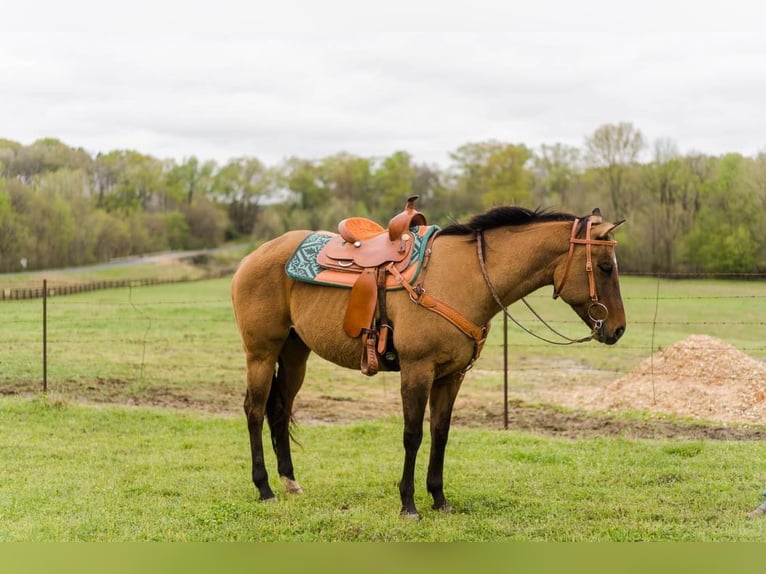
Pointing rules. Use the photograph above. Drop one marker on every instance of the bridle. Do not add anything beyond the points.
(598, 320)
(588, 241)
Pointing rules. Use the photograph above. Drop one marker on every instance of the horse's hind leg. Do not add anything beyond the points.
(279, 407)
(260, 372)
(443, 394)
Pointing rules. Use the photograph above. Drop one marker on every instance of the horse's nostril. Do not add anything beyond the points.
(618, 333)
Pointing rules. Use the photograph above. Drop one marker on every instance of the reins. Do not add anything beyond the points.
(598, 323)
(478, 333)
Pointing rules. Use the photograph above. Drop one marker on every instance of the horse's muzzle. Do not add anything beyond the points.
(611, 340)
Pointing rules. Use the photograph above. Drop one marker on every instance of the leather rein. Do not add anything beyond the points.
(598, 320)
(478, 333)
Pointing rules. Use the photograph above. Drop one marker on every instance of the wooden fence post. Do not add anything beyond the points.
(505, 369)
(45, 335)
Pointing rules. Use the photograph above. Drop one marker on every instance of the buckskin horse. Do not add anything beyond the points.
(433, 325)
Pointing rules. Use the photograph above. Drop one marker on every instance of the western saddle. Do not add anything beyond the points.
(366, 248)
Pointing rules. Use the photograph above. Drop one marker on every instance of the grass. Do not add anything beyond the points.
(81, 473)
(184, 335)
(173, 334)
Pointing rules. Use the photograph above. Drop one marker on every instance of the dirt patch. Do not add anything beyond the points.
(348, 402)
(551, 420)
(698, 379)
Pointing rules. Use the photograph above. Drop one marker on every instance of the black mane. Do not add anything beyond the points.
(502, 216)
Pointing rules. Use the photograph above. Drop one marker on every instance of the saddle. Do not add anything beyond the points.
(365, 248)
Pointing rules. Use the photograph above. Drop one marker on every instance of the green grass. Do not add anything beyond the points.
(76, 472)
(184, 335)
(181, 334)
(85, 473)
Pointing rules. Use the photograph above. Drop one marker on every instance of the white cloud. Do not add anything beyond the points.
(273, 79)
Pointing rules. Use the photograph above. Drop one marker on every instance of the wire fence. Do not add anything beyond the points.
(21, 293)
(178, 341)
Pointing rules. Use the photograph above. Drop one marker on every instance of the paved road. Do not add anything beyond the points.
(149, 258)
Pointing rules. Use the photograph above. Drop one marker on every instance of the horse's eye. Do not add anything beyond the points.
(605, 266)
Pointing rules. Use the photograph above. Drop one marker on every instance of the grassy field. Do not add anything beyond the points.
(176, 344)
(74, 470)
(71, 472)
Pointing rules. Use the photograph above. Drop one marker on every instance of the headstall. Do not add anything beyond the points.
(588, 241)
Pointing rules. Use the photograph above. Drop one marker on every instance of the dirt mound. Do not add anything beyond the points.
(700, 376)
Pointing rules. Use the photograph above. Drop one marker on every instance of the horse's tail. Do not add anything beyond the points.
(278, 406)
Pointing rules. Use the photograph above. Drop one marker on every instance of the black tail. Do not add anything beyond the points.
(278, 412)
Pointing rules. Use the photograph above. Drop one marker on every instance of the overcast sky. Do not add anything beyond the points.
(224, 78)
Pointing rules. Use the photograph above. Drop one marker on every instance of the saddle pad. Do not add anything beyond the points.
(303, 266)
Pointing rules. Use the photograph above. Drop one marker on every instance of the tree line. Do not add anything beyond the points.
(691, 213)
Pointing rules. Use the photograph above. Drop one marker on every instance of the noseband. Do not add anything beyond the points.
(595, 303)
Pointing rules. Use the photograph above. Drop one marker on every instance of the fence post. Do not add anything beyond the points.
(505, 369)
(45, 335)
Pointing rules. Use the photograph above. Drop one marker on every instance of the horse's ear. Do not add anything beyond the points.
(595, 216)
(615, 225)
(604, 229)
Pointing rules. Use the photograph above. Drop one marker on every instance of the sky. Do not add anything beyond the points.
(220, 79)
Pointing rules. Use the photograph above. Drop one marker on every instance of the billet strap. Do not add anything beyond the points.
(383, 325)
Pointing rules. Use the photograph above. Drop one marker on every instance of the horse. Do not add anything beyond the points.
(474, 270)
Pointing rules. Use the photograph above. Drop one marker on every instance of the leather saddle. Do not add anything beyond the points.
(366, 248)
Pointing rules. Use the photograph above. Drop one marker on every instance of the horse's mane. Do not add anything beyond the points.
(504, 215)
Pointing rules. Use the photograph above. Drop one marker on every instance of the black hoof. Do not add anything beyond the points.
(413, 515)
(267, 496)
(445, 508)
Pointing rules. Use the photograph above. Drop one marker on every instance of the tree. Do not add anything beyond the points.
(46, 155)
(71, 188)
(393, 182)
(8, 151)
(13, 235)
(242, 185)
(723, 237)
(206, 224)
(127, 181)
(557, 171)
(189, 179)
(304, 181)
(349, 179)
(613, 151)
(51, 229)
(670, 210)
(492, 173)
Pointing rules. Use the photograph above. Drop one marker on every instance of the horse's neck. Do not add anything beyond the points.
(518, 261)
(523, 259)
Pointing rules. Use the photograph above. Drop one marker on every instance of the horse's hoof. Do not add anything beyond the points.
(757, 513)
(266, 495)
(445, 508)
(291, 487)
(410, 515)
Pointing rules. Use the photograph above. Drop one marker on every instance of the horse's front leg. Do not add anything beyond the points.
(415, 389)
(443, 394)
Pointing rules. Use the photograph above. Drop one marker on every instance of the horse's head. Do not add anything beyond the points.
(587, 278)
